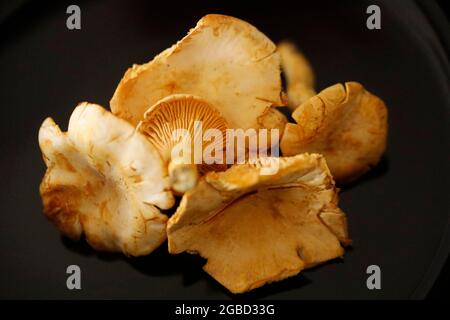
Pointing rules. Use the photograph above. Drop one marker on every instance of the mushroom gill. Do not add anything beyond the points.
(187, 131)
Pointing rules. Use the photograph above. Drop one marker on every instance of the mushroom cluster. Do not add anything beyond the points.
(264, 219)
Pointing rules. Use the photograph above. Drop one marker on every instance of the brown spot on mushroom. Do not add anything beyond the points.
(62, 160)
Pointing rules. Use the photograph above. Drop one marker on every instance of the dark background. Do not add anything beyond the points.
(398, 214)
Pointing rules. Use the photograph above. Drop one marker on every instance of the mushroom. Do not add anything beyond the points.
(104, 180)
(255, 229)
(298, 73)
(194, 116)
(224, 60)
(347, 124)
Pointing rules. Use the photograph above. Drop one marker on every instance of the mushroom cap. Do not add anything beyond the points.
(224, 60)
(255, 229)
(105, 180)
(299, 93)
(298, 72)
(347, 124)
(181, 111)
(295, 66)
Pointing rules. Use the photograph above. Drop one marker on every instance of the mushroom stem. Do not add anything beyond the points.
(183, 176)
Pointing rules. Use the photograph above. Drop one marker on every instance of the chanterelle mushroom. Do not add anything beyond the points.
(224, 60)
(298, 73)
(106, 180)
(255, 229)
(347, 124)
(195, 117)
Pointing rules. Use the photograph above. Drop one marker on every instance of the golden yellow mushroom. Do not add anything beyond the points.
(347, 124)
(298, 72)
(104, 180)
(224, 60)
(255, 228)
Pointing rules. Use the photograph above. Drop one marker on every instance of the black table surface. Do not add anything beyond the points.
(398, 214)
